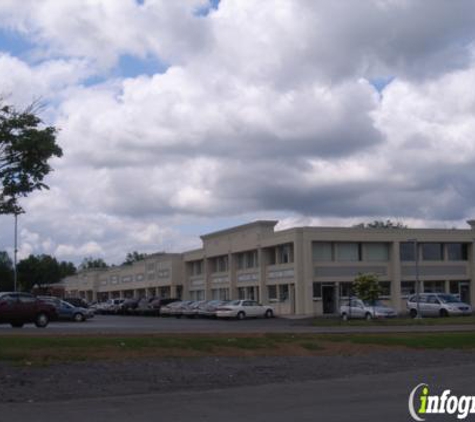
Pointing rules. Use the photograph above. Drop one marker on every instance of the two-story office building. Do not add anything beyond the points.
(302, 270)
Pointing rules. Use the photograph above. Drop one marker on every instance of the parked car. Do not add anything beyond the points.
(77, 301)
(111, 306)
(66, 311)
(192, 309)
(18, 309)
(437, 304)
(128, 306)
(169, 309)
(178, 310)
(157, 304)
(360, 309)
(241, 309)
(143, 306)
(209, 308)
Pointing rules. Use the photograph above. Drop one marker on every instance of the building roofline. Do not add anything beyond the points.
(259, 223)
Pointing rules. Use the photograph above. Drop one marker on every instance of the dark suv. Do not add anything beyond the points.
(18, 309)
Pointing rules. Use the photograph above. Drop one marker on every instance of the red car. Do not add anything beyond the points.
(18, 309)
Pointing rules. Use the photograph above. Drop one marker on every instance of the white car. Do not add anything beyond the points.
(241, 309)
(437, 304)
(360, 309)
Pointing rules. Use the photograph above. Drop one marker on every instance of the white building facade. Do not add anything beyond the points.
(302, 270)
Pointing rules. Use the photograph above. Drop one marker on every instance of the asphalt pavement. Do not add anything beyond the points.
(111, 324)
(353, 398)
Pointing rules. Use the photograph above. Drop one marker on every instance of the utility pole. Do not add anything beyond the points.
(15, 251)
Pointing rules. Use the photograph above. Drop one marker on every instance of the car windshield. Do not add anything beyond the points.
(235, 303)
(449, 299)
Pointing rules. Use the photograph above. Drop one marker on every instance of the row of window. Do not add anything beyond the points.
(434, 251)
(282, 254)
(379, 251)
(407, 288)
(339, 252)
(350, 251)
(275, 293)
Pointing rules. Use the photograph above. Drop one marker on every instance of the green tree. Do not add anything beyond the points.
(380, 224)
(133, 257)
(66, 269)
(90, 262)
(6, 272)
(26, 146)
(37, 269)
(367, 288)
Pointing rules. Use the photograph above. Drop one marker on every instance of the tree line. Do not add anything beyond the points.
(45, 269)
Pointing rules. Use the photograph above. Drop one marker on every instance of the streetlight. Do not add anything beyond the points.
(418, 289)
(15, 251)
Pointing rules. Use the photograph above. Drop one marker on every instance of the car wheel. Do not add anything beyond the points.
(241, 315)
(368, 316)
(17, 324)
(41, 320)
(344, 317)
(269, 314)
(79, 317)
(413, 313)
(443, 313)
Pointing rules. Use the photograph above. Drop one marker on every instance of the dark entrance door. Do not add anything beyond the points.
(465, 293)
(328, 299)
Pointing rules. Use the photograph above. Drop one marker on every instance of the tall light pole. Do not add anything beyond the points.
(418, 287)
(15, 251)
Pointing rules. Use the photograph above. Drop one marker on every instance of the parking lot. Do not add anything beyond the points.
(117, 324)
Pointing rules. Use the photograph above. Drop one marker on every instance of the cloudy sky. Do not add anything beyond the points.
(182, 117)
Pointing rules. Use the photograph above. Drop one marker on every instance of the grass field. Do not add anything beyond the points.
(337, 322)
(46, 350)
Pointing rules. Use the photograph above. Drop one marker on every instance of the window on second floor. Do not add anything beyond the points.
(221, 264)
(285, 253)
(432, 252)
(457, 251)
(348, 251)
(376, 251)
(196, 267)
(322, 251)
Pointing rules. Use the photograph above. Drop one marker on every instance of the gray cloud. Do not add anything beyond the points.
(265, 109)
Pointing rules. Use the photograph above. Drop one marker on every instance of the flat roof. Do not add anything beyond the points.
(269, 224)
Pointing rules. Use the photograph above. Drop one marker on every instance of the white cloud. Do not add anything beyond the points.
(265, 108)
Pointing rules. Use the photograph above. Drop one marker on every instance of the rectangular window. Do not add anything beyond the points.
(272, 292)
(407, 251)
(434, 286)
(317, 290)
(242, 293)
(432, 252)
(408, 288)
(196, 267)
(197, 294)
(322, 251)
(271, 256)
(284, 292)
(286, 254)
(454, 287)
(348, 252)
(241, 261)
(221, 264)
(385, 288)
(247, 260)
(346, 289)
(376, 252)
(457, 251)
